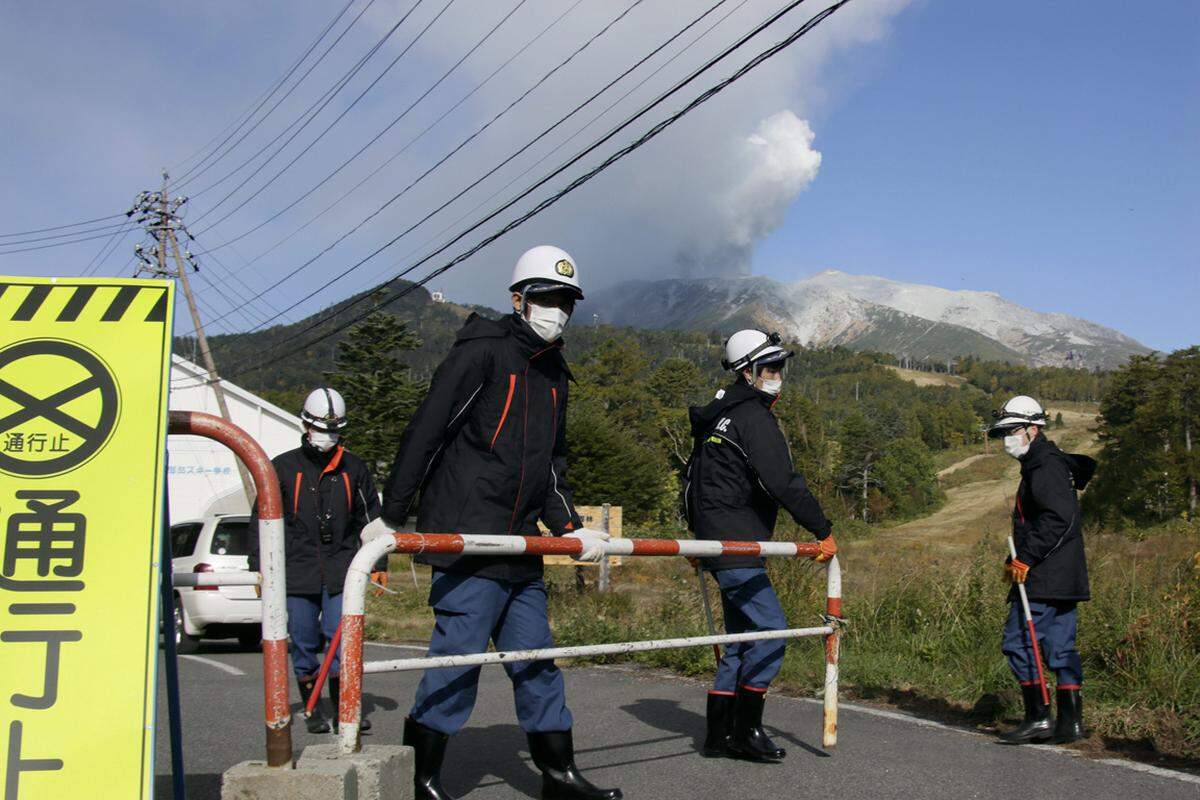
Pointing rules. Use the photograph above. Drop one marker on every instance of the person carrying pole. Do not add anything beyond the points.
(329, 497)
(739, 474)
(487, 450)
(1048, 570)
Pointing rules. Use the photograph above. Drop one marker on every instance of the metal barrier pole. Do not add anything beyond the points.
(166, 597)
(358, 575)
(833, 616)
(274, 602)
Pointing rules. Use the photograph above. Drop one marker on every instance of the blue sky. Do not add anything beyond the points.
(1046, 151)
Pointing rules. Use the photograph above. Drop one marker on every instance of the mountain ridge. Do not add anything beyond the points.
(866, 312)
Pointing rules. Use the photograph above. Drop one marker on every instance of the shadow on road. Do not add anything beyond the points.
(370, 703)
(497, 751)
(206, 786)
(669, 716)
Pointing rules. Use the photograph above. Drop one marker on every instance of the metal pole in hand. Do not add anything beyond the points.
(708, 617)
(1037, 653)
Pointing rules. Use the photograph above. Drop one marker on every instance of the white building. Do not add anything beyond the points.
(202, 475)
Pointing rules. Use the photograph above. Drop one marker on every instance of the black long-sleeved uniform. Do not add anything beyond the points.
(741, 472)
(330, 492)
(487, 446)
(1047, 528)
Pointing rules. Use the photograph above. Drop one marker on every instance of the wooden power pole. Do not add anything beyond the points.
(167, 237)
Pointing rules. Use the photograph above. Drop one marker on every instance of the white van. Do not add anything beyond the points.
(217, 543)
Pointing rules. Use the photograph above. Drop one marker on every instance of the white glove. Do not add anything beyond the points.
(374, 529)
(593, 543)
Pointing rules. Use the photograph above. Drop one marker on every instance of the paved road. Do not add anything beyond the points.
(639, 730)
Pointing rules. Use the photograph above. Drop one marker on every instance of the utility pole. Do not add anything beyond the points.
(163, 213)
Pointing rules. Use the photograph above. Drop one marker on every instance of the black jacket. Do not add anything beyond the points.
(335, 486)
(1047, 528)
(487, 447)
(741, 472)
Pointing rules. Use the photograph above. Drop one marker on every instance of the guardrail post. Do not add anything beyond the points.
(833, 616)
(277, 710)
(354, 594)
(604, 565)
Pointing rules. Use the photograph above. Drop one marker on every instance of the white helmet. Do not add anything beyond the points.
(1017, 413)
(751, 346)
(545, 268)
(324, 410)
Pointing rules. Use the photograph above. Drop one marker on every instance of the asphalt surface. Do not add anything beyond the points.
(640, 730)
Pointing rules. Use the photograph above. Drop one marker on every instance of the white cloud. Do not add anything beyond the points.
(696, 200)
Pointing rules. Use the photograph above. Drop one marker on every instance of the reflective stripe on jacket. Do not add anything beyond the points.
(487, 447)
(741, 472)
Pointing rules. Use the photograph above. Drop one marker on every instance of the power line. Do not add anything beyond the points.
(55, 244)
(583, 179)
(60, 227)
(410, 142)
(117, 228)
(103, 228)
(108, 248)
(386, 128)
(585, 126)
(329, 127)
(514, 155)
(317, 105)
(257, 105)
(373, 173)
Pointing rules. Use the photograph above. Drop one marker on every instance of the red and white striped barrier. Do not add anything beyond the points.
(194, 579)
(270, 546)
(358, 576)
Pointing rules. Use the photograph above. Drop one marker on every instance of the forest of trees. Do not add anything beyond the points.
(865, 438)
(1051, 383)
(862, 436)
(1149, 425)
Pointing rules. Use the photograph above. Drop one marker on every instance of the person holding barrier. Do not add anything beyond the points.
(487, 451)
(738, 476)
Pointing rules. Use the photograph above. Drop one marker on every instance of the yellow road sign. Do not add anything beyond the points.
(84, 369)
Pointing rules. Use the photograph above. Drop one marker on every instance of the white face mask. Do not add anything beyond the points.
(1016, 446)
(549, 323)
(323, 440)
(772, 387)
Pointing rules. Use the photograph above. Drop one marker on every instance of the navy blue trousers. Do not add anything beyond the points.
(469, 611)
(1055, 626)
(750, 604)
(312, 621)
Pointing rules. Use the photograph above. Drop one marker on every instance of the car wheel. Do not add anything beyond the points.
(250, 640)
(185, 643)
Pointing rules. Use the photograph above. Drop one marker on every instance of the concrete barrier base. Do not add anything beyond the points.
(385, 772)
(324, 780)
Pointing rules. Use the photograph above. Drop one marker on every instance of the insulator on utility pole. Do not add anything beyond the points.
(160, 219)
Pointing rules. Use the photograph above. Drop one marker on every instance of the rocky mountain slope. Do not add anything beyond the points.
(869, 313)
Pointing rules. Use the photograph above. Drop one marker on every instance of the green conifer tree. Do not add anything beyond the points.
(380, 393)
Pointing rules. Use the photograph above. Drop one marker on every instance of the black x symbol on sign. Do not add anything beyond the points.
(50, 408)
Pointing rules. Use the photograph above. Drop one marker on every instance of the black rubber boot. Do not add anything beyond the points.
(748, 739)
(429, 748)
(315, 722)
(1038, 725)
(335, 697)
(554, 755)
(720, 725)
(1069, 727)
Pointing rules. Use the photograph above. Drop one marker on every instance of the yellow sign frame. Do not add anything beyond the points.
(84, 376)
